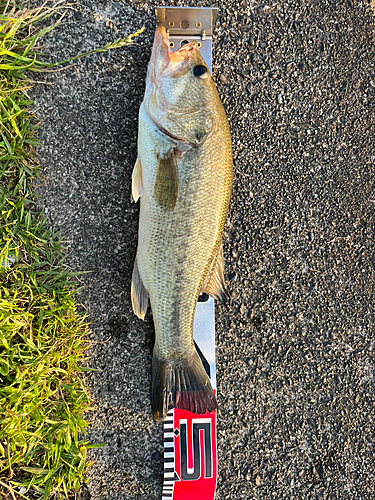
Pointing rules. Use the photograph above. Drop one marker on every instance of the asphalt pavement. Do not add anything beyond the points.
(295, 347)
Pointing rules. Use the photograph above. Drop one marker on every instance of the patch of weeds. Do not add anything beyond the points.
(42, 336)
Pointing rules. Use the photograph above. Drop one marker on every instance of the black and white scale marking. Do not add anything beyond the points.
(169, 465)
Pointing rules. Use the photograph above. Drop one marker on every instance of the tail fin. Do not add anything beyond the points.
(181, 384)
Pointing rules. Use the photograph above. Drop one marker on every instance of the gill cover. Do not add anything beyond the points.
(180, 93)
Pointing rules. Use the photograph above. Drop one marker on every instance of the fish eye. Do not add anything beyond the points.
(200, 71)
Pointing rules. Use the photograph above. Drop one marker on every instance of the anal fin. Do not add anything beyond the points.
(139, 294)
(215, 283)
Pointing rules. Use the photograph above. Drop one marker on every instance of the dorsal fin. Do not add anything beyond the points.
(215, 284)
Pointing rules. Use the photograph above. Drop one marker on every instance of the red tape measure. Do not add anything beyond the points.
(190, 452)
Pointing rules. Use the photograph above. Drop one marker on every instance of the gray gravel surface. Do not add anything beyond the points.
(295, 348)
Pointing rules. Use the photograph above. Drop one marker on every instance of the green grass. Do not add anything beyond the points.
(42, 336)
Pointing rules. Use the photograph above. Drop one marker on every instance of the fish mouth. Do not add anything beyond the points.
(163, 59)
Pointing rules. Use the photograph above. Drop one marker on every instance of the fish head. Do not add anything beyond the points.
(181, 97)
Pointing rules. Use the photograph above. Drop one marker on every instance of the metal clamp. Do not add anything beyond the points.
(184, 24)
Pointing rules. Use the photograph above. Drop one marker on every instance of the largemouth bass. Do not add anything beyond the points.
(183, 177)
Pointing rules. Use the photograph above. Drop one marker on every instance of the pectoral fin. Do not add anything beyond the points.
(166, 184)
(139, 294)
(137, 188)
(215, 284)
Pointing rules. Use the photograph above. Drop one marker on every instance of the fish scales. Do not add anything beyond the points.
(183, 177)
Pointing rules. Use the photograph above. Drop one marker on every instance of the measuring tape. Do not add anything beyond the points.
(190, 453)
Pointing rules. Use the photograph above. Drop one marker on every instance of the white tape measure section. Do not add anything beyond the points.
(204, 335)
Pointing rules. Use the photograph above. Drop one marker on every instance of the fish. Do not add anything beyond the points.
(183, 179)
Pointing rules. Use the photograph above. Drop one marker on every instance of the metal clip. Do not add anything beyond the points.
(184, 24)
